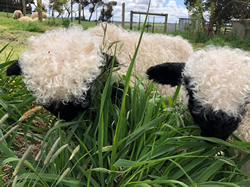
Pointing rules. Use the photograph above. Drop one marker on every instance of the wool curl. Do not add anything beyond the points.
(61, 64)
(220, 78)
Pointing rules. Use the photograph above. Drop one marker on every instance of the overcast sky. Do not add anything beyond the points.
(174, 8)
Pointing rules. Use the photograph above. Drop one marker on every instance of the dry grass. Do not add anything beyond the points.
(18, 41)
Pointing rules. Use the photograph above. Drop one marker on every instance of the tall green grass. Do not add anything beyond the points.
(129, 136)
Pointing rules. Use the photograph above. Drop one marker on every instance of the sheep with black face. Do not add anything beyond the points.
(61, 65)
(217, 81)
(59, 70)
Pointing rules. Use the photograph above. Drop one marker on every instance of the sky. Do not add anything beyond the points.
(174, 8)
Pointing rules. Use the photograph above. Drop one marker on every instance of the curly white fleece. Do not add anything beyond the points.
(61, 64)
(220, 78)
(154, 49)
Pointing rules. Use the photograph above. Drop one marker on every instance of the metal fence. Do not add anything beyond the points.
(185, 23)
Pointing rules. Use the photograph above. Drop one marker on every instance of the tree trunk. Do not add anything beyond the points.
(59, 15)
(80, 9)
(90, 16)
(211, 19)
(210, 28)
(83, 17)
(53, 14)
(39, 10)
(24, 7)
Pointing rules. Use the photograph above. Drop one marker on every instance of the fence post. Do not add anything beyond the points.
(7, 9)
(131, 19)
(123, 14)
(153, 25)
(165, 25)
(71, 10)
(79, 9)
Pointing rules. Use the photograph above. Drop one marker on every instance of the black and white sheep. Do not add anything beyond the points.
(60, 66)
(217, 81)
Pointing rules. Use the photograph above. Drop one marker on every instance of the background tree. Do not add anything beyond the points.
(94, 4)
(43, 8)
(67, 7)
(84, 3)
(106, 11)
(221, 11)
(12, 5)
(58, 6)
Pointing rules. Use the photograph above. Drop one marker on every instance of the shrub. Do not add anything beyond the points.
(201, 37)
(66, 23)
(33, 27)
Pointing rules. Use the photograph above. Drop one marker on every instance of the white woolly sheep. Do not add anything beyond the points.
(36, 19)
(17, 14)
(61, 65)
(154, 49)
(217, 80)
(218, 86)
(35, 15)
(25, 18)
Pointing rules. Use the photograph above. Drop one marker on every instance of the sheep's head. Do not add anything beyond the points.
(60, 68)
(217, 84)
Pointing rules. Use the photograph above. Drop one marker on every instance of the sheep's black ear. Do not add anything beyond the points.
(109, 59)
(14, 69)
(167, 73)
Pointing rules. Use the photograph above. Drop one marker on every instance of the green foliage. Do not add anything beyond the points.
(219, 11)
(58, 5)
(33, 27)
(219, 40)
(196, 12)
(231, 41)
(201, 37)
(66, 23)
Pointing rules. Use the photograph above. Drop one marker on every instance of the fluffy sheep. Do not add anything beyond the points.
(25, 18)
(154, 49)
(36, 19)
(35, 15)
(218, 87)
(61, 65)
(17, 14)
